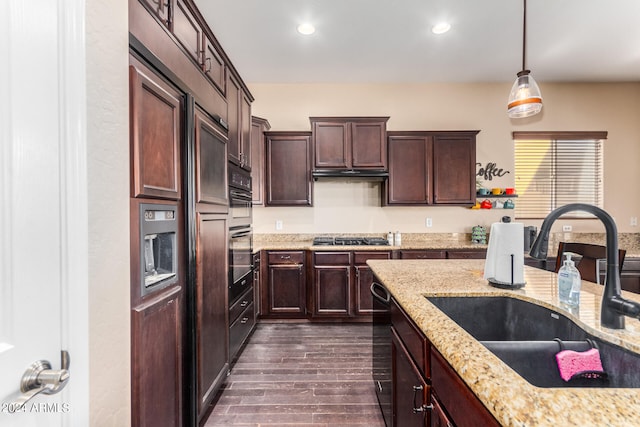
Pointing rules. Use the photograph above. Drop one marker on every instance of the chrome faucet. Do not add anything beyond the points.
(614, 307)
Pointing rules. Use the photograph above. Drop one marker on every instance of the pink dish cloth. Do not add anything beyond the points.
(572, 362)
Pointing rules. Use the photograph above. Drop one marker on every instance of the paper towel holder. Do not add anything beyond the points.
(506, 285)
(511, 274)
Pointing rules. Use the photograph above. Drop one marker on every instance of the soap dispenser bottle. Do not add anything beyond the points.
(569, 282)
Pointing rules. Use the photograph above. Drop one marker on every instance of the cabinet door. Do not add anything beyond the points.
(411, 394)
(211, 164)
(332, 290)
(156, 366)
(213, 65)
(410, 159)
(187, 31)
(288, 169)
(212, 358)
(286, 290)
(258, 127)
(464, 408)
(363, 281)
(156, 131)
(160, 9)
(467, 254)
(330, 141)
(233, 118)
(369, 145)
(439, 417)
(245, 132)
(454, 166)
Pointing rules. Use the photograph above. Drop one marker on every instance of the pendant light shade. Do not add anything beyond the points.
(525, 98)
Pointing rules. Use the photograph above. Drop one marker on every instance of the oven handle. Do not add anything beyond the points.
(240, 234)
(240, 195)
(386, 299)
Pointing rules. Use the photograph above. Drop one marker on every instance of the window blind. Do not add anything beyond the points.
(554, 170)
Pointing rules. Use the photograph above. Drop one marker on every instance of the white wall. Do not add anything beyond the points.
(355, 207)
(108, 184)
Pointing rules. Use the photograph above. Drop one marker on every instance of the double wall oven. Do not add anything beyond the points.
(240, 233)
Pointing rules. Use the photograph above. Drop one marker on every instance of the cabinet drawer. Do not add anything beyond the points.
(240, 305)
(462, 405)
(470, 254)
(332, 258)
(286, 257)
(412, 338)
(360, 258)
(240, 329)
(423, 254)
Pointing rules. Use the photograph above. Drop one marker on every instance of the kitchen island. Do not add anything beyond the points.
(509, 398)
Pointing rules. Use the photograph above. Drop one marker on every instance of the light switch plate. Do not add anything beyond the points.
(429, 222)
(279, 224)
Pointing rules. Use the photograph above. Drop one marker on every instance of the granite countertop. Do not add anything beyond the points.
(412, 241)
(510, 398)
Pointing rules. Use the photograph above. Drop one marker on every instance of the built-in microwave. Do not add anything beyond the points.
(239, 197)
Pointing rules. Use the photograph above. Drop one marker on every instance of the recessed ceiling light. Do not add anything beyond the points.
(441, 28)
(306, 29)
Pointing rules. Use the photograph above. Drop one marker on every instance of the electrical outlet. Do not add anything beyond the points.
(279, 224)
(429, 222)
(634, 221)
(567, 228)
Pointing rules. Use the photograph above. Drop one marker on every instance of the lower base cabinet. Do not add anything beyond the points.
(284, 293)
(426, 389)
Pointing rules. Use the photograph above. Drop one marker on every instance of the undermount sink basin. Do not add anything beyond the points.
(522, 335)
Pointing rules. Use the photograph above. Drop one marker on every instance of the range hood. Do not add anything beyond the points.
(368, 174)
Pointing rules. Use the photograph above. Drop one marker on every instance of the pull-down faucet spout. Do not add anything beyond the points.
(614, 307)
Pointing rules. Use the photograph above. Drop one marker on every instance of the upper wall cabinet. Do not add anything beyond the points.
(431, 168)
(258, 127)
(350, 142)
(188, 31)
(288, 169)
(211, 165)
(156, 129)
(239, 119)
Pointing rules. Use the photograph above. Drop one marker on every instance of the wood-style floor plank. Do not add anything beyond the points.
(301, 375)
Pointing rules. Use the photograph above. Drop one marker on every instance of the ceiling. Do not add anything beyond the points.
(390, 41)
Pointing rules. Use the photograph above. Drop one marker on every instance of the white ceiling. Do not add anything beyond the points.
(389, 41)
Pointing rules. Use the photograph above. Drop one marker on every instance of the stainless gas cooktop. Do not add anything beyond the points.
(350, 241)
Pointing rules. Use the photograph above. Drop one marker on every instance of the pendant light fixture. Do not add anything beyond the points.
(525, 99)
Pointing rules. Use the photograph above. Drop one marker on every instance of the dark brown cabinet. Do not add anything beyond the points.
(213, 65)
(350, 142)
(288, 169)
(242, 319)
(426, 389)
(341, 284)
(411, 393)
(156, 132)
(363, 281)
(239, 120)
(331, 284)
(156, 366)
(454, 168)
(466, 254)
(211, 165)
(422, 254)
(285, 292)
(410, 160)
(258, 127)
(431, 168)
(212, 358)
(187, 31)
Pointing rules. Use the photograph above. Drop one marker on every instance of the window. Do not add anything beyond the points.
(553, 169)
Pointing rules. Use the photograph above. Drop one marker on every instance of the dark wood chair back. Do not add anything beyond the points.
(588, 265)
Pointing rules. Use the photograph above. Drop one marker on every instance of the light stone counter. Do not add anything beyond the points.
(510, 398)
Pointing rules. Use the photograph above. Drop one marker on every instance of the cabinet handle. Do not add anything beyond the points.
(285, 256)
(244, 320)
(244, 303)
(422, 408)
(207, 64)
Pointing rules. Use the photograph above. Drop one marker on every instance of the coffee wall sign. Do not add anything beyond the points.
(490, 170)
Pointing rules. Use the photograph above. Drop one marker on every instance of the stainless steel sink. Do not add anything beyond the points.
(522, 335)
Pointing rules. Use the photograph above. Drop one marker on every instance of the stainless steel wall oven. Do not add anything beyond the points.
(240, 233)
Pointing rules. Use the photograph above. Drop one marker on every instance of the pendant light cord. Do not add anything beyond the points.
(524, 35)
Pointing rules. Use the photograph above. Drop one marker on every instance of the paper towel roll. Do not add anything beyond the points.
(504, 265)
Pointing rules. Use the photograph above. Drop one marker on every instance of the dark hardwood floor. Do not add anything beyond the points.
(296, 374)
